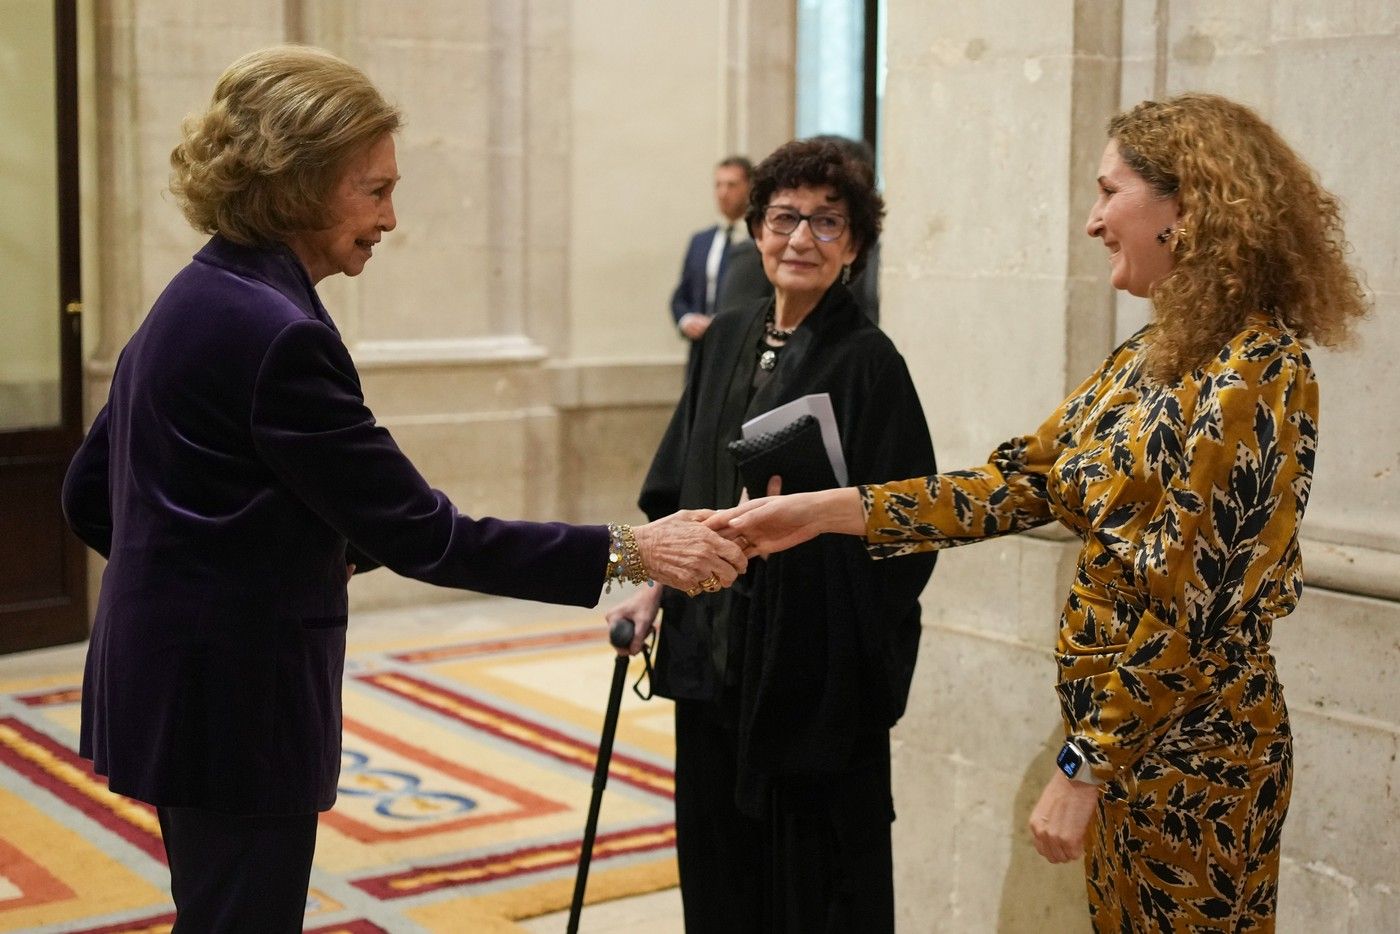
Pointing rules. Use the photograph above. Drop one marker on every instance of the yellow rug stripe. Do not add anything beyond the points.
(128, 810)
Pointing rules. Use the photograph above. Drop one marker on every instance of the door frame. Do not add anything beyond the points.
(63, 616)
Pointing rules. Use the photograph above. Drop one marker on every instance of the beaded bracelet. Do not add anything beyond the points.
(624, 560)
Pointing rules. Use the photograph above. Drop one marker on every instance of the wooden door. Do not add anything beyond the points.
(43, 568)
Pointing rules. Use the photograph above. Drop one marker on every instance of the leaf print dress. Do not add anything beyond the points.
(1187, 498)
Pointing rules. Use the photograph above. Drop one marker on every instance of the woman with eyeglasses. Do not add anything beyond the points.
(786, 686)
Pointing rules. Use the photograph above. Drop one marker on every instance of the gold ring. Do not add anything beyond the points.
(711, 584)
(742, 542)
(693, 592)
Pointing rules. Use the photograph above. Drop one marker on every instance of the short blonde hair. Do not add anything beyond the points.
(1258, 232)
(259, 165)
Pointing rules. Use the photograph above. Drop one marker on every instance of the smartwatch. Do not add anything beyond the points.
(1071, 761)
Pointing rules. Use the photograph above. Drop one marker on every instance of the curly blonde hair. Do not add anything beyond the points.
(1258, 232)
(259, 165)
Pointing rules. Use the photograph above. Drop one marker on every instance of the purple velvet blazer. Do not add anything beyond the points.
(232, 464)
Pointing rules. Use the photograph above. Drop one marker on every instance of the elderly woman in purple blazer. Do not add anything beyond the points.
(236, 475)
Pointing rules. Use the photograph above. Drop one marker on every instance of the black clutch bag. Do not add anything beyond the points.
(794, 452)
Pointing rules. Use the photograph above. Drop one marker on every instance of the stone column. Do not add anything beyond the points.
(659, 94)
(994, 122)
(453, 323)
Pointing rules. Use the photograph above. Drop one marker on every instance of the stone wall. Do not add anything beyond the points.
(995, 119)
(514, 332)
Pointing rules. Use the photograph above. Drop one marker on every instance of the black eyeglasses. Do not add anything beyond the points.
(784, 221)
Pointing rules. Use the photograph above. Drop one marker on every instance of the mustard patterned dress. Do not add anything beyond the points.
(1187, 498)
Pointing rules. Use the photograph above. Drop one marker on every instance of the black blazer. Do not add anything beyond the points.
(814, 646)
(232, 464)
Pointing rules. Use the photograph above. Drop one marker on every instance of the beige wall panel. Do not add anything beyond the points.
(482, 389)
(957, 723)
(1308, 19)
(431, 278)
(965, 781)
(1321, 902)
(487, 465)
(1220, 47)
(982, 193)
(606, 453)
(613, 418)
(1322, 105)
(763, 74)
(427, 289)
(1354, 834)
(1010, 591)
(1339, 657)
(986, 353)
(646, 132)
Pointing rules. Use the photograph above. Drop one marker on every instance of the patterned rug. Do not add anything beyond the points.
(464, 789)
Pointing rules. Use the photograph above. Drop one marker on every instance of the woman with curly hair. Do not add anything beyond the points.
(235, 476)
(1183, 465)
(786, 685)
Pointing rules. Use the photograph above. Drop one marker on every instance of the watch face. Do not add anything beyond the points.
(1069, 760)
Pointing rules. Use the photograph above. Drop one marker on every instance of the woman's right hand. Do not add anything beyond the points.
(1060, 820)
(775, 523)
(641, 608)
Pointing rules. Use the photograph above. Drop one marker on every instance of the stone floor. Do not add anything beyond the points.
(655, 913)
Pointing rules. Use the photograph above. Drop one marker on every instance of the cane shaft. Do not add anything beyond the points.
(600, 781)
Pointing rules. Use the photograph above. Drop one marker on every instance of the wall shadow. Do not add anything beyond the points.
(1037, 895)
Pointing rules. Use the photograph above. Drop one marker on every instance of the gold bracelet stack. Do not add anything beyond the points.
(624, 560)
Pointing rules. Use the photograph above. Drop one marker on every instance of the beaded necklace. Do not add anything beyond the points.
(768, 356)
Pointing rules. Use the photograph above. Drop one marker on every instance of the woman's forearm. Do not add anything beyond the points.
(776, 523)
(840, 510)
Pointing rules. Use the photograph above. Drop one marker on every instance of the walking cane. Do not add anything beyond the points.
(620, 635)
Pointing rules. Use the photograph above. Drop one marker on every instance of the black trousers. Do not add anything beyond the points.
(818, 862)
(238, 872)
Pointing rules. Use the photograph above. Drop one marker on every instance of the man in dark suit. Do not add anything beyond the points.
(707, 256)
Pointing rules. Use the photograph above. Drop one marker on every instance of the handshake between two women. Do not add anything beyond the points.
(680, 550)
(776, 523)
(719, 543)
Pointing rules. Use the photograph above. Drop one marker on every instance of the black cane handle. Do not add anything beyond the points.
(621, 632)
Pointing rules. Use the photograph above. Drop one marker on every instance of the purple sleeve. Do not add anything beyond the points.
(87, 505)
(311, 426)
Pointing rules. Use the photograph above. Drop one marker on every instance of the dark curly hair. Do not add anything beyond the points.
(815, 163)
